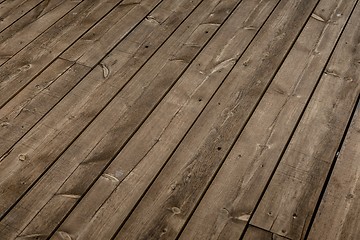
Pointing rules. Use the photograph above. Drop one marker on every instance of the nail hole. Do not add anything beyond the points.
(219, 148)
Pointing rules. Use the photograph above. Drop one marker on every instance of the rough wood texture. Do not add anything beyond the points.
(338, 216)
(187, 119)
(172, 197)
(300, 176)
(234, 193)
(16, 73)
(62, 125)
(12, 10)
(126, 24)
(254, 233)
(34, 23)
(154, 142)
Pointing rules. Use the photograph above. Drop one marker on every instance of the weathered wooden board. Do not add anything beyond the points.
(254, 233)
(338, 215)
(170, 200)
(188, 33)
(64, 123)
(109, 32)
(235, 191)
(30, 105)
(21, 69)
(31, 25)
(291, 197)
(22, 98)
(12, 10)
(115, 124)
(154, 142)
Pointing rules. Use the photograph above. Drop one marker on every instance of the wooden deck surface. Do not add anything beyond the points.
(186, 119)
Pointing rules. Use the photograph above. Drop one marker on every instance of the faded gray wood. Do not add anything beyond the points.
(174, 194)
(31, 25)
(154, 142)
(301, 174)
(235, 191)
(338, 215)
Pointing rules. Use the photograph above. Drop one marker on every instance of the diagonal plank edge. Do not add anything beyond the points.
(234, 193)
(151, 146)
(170, 200)
(303, 168)
(337, 217)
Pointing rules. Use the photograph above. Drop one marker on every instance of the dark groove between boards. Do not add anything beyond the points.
(37, 38)
(333, 164)
(21, 15)
(192, 126)
(238, 60)
(92, 68)
(141, 123)
(52, 61)
(151, 110)
(297, 122)
(248, 118)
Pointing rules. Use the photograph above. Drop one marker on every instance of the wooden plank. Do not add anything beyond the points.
(172, 197)
(82, 99)
(31, 25)
(109, 32)
(235, 191)
(338, 214)
(104, 36)
(254, 233)
(95, 93)
(16, 73)
(28, 107)
(154, 142)
(301, 174)
(10, 11)
(128, 23)
(191, 33)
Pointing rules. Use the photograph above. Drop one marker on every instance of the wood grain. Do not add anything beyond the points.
(188, 119)
(301, 174)
(235, 191)
(128, 23)
(165, 207)
(254, 233)
(31, 25)
(110, 31)
(338, 215)
(16, 73)
(154, 142)
(185, 33)
(10, 11)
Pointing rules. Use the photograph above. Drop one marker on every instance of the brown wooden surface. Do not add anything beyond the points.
(302, 171)
(188, 119)
(248, 167)
(338, 216)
